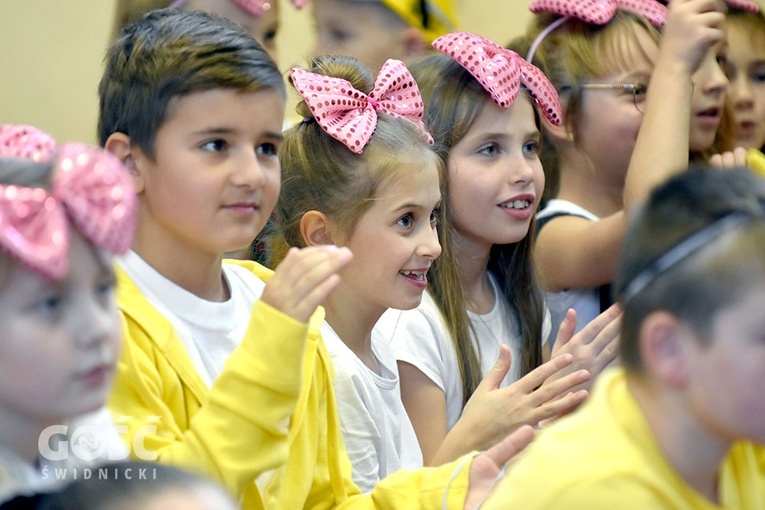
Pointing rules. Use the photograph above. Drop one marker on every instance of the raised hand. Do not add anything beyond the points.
(304, 279)
(730, 159)
(691, 29)
(594, 348)
(492, 412)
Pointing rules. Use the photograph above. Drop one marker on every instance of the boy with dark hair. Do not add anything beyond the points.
(682, 424)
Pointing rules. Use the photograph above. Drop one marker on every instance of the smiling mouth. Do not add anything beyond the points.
(418, 276)
(516, 204)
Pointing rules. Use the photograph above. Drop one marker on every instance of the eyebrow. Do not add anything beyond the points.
(227, 131)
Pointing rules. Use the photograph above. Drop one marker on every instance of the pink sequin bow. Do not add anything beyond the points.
(501, 72)
(600, 12)
(350, 116)
(90, 188)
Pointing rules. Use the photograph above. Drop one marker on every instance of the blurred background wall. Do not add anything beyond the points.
(51, 52)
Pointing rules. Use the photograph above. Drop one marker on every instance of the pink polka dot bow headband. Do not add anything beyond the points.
(600, 12)
(501, 72)
(349, 115)
(254, 7)
(90, 188)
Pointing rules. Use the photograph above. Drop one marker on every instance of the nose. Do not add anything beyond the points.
(710, 78)
(249, 171)
(740, 93)
(98, 322)
(521, 170)
(428, 245)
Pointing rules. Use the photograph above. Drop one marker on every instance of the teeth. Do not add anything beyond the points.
(420, 276)
(517, 204)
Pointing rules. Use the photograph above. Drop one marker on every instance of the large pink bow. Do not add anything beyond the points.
(90, 186)
(350, 116)
(26, 142)
(599, 12)
(501, 72)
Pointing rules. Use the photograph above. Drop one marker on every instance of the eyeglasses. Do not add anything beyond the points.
(638, 91)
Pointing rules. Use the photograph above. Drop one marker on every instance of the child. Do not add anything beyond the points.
(211, 377)
(602, 166)
(374, 31)
(745, 67)
(259, 17)
(743, 124)
(63, 212)
(489, 137)
(682, 424)
(377, 193)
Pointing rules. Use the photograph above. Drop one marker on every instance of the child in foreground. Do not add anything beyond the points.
(682, 423)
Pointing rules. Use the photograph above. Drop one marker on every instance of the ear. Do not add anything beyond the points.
(316, 229)
(119, 144)
(413, 43)
(663, 347)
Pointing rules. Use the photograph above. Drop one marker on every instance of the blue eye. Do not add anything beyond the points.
(489, 150)
(49, 304)
(434, 216)
(405, 221)
(531, 147)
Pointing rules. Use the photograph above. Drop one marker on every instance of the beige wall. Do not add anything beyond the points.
(51, 51)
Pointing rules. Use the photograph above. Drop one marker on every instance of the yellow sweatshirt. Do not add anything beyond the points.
(267, 416)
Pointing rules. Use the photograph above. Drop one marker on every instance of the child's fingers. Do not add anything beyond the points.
(566, 329)
(539, 375)
(304, 308)
(562, 407)
(551, 390)
(601, 327)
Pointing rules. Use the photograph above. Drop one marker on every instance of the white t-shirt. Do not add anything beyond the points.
(420, 337)
(377, 432)
(209, 330)
(586, 301)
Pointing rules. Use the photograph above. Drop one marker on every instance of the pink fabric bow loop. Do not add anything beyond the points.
(33, 229)
(501, 72)
(26, 142)
(600, 12)
(744, 5)
(350, 116)
(98, 194)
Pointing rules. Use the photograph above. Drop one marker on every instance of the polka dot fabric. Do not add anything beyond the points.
(600, 12)
(501, 72)
(350, 116)
(26, 142)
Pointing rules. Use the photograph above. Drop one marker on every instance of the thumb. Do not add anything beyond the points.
(498, 372)
(566, 329)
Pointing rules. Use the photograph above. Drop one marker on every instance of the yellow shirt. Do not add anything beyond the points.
(756, 161)
(265, 413)
(604, 456)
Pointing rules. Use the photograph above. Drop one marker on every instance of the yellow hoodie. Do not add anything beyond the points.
(266, 414)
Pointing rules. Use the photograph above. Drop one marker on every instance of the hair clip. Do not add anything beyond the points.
(501, 72)
(90, 187)
(350, 116)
